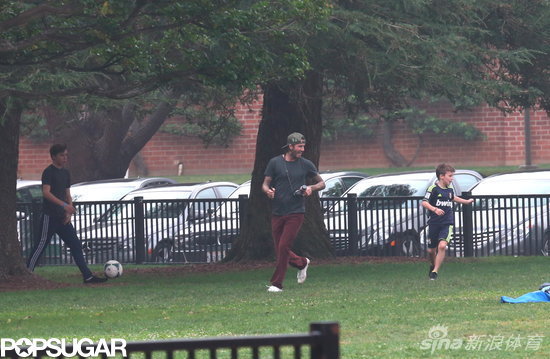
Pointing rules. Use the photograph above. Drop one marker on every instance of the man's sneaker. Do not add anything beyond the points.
(431, 269)
(433, 275)
(302, 273)
(93, 280)
(274, 289)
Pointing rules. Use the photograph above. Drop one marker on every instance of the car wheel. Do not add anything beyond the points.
(163, 252)
(409, 244)
(546, 244)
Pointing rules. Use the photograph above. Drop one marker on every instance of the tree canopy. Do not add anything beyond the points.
(80, 51)
(378, 57)
(119, 49)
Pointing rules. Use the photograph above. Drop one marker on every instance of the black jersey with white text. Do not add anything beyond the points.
(441, 198)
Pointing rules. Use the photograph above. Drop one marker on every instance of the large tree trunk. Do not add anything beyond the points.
(11, 262)
(102, 144)
(391, 153)
(284, 112)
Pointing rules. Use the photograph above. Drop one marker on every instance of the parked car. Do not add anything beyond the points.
(166, 208)
(389, 212)
(211, 237)
(28, 191)
(214, 234)
(107, 191)
(114, 189)
(510, 215)
(336, 183)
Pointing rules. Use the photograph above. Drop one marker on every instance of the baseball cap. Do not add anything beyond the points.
(294, 139)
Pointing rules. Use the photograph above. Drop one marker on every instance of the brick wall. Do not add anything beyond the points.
(504, 145)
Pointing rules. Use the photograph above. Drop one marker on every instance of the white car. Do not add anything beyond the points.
(28, 190)
(113, 189)
(107, 191)
(28, 193)
(166, 208)
(510, 215)
(389, 216)
(213, 236)
(336, 183)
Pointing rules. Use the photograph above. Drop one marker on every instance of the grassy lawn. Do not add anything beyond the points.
(385, 310)
(240, 178)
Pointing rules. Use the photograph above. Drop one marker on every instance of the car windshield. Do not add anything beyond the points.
(231, 208)
(152, 209)
(99, 193)
(392, 186)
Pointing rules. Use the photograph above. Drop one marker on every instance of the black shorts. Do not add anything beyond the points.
(439, 232)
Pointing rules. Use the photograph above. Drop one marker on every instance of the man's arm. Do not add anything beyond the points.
(266, 187)
(318, 185)
(48, 195)
(462, 200)
(68, 197)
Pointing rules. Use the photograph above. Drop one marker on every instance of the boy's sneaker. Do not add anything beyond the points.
(433, 275)
(93, 280)
(431, 269)
(302, 273)
(274, 289)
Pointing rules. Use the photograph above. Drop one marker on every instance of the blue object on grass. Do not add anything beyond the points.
(542, 295)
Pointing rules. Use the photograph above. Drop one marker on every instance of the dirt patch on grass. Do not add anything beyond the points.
(34, 281)
(28, 282)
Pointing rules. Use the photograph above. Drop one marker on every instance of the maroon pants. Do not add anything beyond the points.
(284, 230)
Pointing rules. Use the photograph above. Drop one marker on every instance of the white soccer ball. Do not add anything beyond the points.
(112, 269)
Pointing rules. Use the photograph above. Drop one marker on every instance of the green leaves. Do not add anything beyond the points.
(420, 123)
(141, 45)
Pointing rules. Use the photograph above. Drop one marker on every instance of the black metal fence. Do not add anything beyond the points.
(322, 342)
(203, 230)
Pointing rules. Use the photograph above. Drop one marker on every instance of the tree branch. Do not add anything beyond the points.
(39, 11)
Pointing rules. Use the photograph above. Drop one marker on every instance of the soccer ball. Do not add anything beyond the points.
(112, 269)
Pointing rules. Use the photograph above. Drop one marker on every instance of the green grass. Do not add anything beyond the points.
(242, 177)
(385, 310)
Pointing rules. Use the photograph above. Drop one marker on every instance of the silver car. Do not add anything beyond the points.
(214, 235)
(166, 209)
(96, 197)
(389, 213)
(510, 215)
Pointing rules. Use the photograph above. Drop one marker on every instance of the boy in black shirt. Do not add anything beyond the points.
(57, 210)
(439, 200)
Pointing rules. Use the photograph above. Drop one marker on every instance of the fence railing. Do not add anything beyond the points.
(322, 342)
(204, 230)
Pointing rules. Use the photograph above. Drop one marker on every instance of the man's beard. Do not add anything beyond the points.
(295, 154)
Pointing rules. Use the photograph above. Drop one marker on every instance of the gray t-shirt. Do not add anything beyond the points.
(286, 178)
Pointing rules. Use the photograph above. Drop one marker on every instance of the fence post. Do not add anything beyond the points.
(139, 231)
(330, 344)
(243, 209)
(352, 223)
(468, 226)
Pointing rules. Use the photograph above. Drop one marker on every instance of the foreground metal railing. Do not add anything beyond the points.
(322, 342)
(202, 231)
